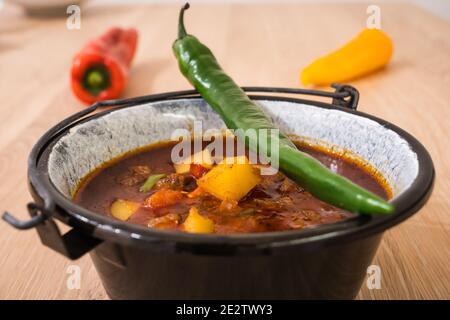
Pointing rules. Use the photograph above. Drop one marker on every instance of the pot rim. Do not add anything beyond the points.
(102, 227)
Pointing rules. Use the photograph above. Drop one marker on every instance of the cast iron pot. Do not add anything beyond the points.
(135, 262)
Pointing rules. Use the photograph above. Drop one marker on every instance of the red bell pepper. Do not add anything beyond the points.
(197, 170)
(100, 69)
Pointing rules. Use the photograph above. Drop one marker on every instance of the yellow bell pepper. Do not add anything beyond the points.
(196, 223)
(369, 51)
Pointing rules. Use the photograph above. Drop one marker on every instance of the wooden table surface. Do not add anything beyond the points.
(262, 45)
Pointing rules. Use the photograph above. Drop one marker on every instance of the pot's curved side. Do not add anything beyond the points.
(335, 272)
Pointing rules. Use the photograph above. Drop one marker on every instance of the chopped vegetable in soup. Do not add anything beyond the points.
(199, 196)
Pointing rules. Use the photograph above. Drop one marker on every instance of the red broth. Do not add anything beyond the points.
(275, 204)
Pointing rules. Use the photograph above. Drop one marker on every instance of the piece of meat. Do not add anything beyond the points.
(168, 221)
(279, 204)
(178, 181)
(228, 206)
(257, 192)
(134, 176)
(291, 220)
(288, 186)
(268, 181)
(239, 225)
(310, 215)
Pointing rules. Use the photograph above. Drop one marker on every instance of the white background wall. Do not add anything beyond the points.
(438, 7)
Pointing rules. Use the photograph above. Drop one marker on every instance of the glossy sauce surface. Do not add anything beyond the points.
(275, 204)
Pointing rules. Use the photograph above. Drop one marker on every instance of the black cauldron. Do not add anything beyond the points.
(134, 262)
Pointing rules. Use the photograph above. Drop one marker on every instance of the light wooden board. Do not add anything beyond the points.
(262, 45)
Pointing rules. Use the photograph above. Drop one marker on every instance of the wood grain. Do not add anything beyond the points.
(258, 45)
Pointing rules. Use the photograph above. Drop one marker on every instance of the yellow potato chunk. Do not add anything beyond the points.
(123, 209)
(182, 167)
(196, 223)
(231, 179)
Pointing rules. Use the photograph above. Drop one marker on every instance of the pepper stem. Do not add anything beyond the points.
(96, 79)
(181, 30)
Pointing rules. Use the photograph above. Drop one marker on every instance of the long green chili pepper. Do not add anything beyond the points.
(200, 67)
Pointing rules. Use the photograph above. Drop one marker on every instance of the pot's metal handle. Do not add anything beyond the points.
(351, 101)
(73, 244)
(24, 225)
(344, 96)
